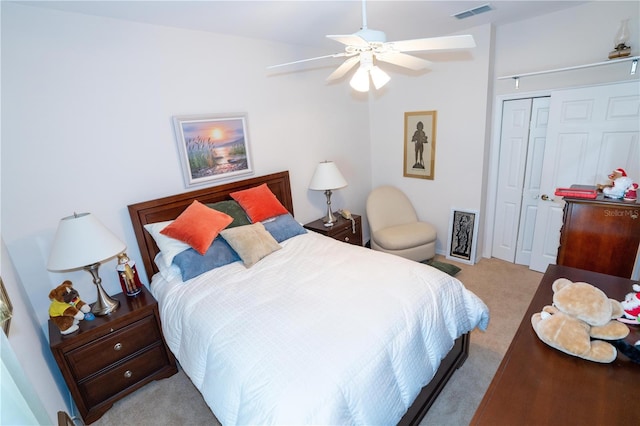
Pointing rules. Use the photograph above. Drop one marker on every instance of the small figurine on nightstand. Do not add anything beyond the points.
(129, 280)
(67, 309)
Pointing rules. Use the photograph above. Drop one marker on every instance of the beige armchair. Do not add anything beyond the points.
(395, 228)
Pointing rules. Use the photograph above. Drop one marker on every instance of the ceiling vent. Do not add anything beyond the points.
(475, 11)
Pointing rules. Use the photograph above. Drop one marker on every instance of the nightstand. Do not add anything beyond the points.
(113, 355)
(341, 230)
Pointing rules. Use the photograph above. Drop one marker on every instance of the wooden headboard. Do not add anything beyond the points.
(168, 208)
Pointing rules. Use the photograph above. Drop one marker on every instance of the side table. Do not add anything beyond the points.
(341, 230)
(113, 355)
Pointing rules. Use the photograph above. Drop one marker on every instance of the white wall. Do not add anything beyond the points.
(32, 351)
(577, 36)
(457, 88)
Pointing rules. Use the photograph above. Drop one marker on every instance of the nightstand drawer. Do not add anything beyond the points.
(113, 347)
(348, 236)
(123, 376)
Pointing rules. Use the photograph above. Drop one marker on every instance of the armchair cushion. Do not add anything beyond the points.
(405, 236)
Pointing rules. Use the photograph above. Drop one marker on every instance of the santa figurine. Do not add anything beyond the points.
(631, 306)
(620, 184)
(631, 194)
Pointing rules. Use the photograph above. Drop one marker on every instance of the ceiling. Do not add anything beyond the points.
(307, 22)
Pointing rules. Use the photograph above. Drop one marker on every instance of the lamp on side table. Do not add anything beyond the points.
(82, 241)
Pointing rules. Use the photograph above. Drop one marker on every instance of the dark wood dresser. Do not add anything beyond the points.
(600, 235)
(113, 355)
(538, 385)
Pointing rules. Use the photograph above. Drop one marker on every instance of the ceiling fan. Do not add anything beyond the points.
(366, 45)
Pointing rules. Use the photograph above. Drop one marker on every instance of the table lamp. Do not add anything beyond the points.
(82, 241)
(326, 178)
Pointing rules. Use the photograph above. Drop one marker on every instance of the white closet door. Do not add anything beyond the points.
(513, 156)
(532, 179)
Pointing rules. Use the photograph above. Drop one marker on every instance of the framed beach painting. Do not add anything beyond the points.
(213, 147)
(463, 235)
(420, 144)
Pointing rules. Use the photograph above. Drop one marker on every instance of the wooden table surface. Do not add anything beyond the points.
(538, 385)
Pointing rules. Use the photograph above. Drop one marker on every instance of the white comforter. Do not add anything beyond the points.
(319, 332)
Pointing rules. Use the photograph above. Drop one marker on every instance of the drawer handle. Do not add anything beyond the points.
(128, 374)
(117, 346)
(346, 239)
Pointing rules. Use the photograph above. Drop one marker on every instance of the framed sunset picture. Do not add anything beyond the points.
(213, 147)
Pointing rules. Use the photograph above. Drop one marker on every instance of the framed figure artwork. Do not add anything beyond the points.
(213, 147)
(463, 235)
(420, 144)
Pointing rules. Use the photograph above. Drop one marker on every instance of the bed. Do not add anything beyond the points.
(315, 332)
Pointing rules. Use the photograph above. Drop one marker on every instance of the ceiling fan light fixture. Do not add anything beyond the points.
(367, 45)
(360, 80)
(379, 77)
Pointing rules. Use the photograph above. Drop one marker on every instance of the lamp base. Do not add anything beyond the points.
(329, 218)
(104, 305)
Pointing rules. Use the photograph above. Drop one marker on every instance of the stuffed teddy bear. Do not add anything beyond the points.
(580, 313)
(620, 182)
(66, 309)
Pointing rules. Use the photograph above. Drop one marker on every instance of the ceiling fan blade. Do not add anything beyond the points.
(434, 43)
(335, 55)
(404, 60)
(350, 40)
(344, 68)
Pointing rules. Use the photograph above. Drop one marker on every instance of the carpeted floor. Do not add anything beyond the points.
(507, 290)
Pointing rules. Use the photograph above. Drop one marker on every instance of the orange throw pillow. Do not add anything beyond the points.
(198, 226)
(259, 203)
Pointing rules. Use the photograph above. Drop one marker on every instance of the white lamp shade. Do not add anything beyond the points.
(327, 176)
(82, 240)
(360, 80)
(379, 77)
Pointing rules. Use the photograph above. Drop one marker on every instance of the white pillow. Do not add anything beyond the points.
(170, 273)
(170, 247)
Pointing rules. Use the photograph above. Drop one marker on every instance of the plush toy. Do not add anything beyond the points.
(631, 306)
(620, 182)
(66, 309)
(580, 313)
(631, 194)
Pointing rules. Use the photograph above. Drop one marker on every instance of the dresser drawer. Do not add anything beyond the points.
(122, 376)
(93, 357)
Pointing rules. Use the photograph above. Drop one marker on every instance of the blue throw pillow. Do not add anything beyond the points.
(192, 263)
(283, 227)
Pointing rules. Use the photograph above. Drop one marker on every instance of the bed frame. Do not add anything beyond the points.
(168, 208)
